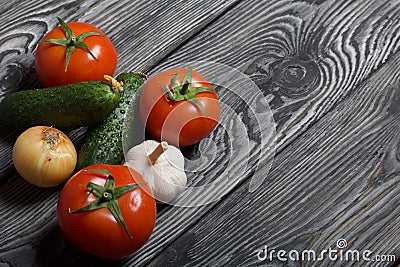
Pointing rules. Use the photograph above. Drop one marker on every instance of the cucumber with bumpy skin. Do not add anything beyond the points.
(65, 107)
(103, 142)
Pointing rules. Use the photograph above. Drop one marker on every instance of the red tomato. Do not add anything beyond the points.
(50, 58)
(180, 123)
(97, 231)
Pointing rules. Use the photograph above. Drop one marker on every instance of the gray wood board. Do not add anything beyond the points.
(342, 184)
(307, 59)
(133, 27)
(328, 70)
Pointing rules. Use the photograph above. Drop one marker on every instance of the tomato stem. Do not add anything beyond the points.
(186, 91)
(107, 197)
(71, 42)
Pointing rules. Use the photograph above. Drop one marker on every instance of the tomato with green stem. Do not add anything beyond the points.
(107, 210)
(74, 52)
(179, 106)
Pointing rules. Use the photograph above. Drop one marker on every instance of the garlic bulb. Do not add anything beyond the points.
(161, 165)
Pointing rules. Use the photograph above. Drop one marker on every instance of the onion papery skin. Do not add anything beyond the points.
(44, 156)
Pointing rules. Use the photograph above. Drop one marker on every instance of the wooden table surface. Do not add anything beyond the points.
(308, 155)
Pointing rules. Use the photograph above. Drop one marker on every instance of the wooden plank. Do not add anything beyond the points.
(263, 40)
(338, 181)
(306, 58)
(142, 31)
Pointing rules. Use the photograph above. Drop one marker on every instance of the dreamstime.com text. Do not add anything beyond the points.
(340, 253)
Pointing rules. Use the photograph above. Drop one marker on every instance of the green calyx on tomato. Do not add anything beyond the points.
(185, 90)
(107, 197)
(71, 42)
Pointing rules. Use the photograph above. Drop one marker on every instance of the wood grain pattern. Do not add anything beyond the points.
(343, 184)
(328, 70)
(306, 58)
(134, 27)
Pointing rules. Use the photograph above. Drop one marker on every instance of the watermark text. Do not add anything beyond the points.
(339, 253)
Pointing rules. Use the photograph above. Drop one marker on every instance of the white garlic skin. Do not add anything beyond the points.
(166, 176)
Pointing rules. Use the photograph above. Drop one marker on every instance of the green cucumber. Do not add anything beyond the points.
(103, 142)
(65, 107)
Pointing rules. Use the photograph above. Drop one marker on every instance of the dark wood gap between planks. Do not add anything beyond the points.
(278, 152)
(366, 79)
(188, 37)
(283, 148)
(8, 172)
(181, 42)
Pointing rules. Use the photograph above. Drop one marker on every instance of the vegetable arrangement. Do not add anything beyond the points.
(107, 206)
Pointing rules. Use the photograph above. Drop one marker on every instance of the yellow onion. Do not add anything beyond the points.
(44, 156)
